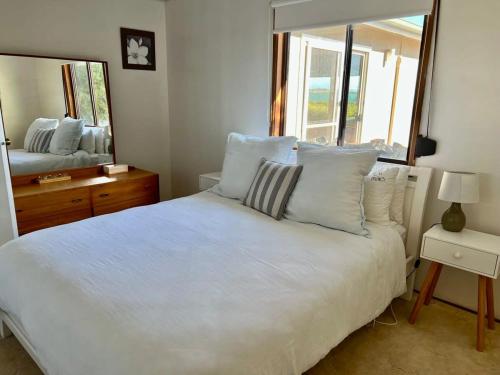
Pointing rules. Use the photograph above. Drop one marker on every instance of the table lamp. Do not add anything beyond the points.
(457, 188)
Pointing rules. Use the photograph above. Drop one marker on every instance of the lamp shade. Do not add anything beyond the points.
(459, 187)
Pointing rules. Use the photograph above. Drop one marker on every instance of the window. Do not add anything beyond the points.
(355, 84)
(315, 86)
(85, 91)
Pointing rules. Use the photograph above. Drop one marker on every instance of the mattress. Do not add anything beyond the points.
(197, 285)
(23, 162)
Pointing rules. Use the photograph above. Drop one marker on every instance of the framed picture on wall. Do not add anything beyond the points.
(138, 49)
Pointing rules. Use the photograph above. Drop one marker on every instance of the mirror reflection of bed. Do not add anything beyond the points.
(56, 114)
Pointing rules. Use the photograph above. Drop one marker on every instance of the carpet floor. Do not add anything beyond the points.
(442, 342)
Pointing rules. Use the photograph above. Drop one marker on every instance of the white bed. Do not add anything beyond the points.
(23, 162)
(199, 285)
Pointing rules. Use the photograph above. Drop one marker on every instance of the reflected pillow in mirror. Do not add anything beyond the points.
(39, 123)
(40, 141)
(66, 137)
(87, 143)
(99, 139)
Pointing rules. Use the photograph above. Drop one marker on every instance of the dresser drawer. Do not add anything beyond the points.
(119, 196)
(49, 209)
(460, 256)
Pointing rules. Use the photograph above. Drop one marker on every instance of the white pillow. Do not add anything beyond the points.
(379, 191)
(242, 159)
(398, 199)
(39, 123)
(87, 143)
(329, 191)
(99, 139)
(66, 137)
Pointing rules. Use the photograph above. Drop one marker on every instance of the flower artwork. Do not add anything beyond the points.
(138, 49)
(137, 53)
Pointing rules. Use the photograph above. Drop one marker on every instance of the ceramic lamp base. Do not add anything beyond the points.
(453, 219)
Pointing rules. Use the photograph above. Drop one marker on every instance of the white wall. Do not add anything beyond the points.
(19, 97)
(219, 77)
(91, 29)
(29, 88)
(466, 124)
(50, 88)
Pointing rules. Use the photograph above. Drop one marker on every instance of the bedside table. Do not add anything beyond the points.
(208, 180)
(470, 251)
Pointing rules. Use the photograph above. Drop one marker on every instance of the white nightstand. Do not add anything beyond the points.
(470, 251)
(207, 180)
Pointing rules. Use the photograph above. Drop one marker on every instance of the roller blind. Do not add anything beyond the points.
(293, 15)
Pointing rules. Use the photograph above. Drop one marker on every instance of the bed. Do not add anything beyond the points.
(198, 285)
(23, 162)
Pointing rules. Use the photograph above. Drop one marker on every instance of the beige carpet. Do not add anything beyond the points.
(442, 342)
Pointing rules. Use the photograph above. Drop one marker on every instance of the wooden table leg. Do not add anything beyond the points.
(490, 303)
(424, 290)
(435, 279)
(481, 296)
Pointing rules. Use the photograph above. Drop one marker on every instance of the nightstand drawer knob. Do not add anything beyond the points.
(457, 255)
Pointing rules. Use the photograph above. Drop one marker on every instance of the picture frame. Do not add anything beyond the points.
(138, 49)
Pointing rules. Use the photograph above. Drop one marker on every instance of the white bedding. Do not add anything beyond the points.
(198, 285)
(23, 162)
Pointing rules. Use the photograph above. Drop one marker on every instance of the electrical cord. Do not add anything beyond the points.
(395, 323)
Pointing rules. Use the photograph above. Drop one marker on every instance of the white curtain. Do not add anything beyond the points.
(293, 15)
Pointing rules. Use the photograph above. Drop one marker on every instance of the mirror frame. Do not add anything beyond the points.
(22, 179)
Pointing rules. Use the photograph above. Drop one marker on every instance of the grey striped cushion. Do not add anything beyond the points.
(40, 141)
(271, 187)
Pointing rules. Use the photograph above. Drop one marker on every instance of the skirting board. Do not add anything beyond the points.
(8, 327)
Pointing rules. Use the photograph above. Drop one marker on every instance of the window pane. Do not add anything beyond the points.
(354, 99)
(321, 86)
(315, 84)
(82, 92)
(382, 84)
(100, 97)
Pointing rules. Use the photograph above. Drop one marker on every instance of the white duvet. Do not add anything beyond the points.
(198, 285)
(24, 162)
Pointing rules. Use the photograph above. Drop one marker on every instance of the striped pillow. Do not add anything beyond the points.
(40, 141)
(271, 187)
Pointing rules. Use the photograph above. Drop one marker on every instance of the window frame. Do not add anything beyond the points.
(308, 44)
(71, 91)
(279, 84)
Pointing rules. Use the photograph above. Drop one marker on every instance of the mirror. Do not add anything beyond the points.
(56, 114)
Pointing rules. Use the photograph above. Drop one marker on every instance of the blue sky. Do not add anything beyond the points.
(416, 20)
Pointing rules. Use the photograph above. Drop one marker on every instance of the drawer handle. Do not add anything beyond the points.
(76, 200)
(104, 195)
(457, 255)
(19, 210)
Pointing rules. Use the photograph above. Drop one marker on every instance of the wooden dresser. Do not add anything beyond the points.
(86, 195)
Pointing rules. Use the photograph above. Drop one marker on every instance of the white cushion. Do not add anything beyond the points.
(39, 123)
(398, 198)
(379, 191)
(99, 139)
(242, 159)
(87, 143)
(66, 137)
(329, 191)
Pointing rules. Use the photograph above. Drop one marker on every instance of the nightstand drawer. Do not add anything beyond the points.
(460, 256)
